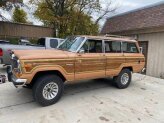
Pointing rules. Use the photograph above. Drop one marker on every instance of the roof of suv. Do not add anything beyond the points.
(110, 37)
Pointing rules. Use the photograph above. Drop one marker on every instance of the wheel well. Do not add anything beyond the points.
(44, 73)
(130, 68)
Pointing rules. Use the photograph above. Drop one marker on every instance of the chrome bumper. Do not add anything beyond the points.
(16, 81)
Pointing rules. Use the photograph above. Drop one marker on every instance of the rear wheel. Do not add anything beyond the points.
(123, 79)
(48, 90)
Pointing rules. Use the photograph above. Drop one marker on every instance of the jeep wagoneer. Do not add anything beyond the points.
(77, 58)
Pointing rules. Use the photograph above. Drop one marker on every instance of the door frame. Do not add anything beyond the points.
(147, 49)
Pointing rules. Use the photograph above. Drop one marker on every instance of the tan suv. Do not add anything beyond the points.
(77, 58)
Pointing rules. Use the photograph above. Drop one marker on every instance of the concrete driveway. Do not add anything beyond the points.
(95, 101)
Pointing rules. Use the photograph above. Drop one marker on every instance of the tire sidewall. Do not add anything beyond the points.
(118, 79)
(41, 83)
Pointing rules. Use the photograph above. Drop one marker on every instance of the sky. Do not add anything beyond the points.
(122, 5)
(127, 5)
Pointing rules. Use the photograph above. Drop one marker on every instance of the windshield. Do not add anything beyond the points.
(71, 44)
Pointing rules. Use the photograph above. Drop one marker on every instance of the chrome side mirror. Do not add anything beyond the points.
(81, 51)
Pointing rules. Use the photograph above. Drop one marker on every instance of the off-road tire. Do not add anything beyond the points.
(41, 83)
(118, 79)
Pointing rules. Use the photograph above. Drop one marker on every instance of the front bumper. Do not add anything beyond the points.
(12, 78)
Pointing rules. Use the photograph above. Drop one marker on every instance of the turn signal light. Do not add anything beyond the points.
(28, 67)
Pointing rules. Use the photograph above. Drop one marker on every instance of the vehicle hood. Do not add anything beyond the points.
(42, 54)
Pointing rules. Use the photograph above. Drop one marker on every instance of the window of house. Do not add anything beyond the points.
(92, 46)
(113, 47)
(129, 47)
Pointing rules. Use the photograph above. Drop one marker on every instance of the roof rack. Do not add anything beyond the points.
(118, 36)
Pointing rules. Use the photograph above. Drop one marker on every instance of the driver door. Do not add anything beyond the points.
(91, 63)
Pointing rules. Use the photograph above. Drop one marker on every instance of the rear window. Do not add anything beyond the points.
(129, 47)
(53, 43)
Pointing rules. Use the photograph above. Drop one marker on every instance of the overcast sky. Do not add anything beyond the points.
(127, 5)
(123, 6)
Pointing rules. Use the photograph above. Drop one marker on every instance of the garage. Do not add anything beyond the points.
(146, 25)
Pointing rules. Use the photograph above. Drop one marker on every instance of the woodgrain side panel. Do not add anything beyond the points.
(90, 65)
(114, 62)
(66, 64)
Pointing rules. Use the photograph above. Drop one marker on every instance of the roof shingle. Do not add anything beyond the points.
(144, 18)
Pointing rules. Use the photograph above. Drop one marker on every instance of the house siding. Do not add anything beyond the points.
(155, 60)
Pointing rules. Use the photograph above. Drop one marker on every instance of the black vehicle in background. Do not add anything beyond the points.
(4, 42)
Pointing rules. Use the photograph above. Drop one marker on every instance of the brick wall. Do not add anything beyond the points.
(8, 29)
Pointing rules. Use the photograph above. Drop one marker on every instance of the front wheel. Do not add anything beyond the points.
(123, 79)
(48, 90)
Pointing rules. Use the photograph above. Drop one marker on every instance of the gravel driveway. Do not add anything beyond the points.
(95, 101)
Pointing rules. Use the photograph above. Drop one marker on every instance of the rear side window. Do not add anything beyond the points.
(53, 43)
(129, 47)
(113, 47)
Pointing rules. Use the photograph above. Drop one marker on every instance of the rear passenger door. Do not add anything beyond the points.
(114, 58)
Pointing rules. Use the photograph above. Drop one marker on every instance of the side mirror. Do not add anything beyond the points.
(81, 51)
(141, 49)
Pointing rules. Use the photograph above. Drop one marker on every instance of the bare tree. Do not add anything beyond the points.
(105, 11)
(8, 5)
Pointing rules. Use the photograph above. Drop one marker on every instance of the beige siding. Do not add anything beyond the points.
(155, 62)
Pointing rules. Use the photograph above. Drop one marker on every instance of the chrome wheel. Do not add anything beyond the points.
(50, 91)
(125, 78)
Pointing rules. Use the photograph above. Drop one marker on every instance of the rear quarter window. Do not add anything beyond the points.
(129, 47)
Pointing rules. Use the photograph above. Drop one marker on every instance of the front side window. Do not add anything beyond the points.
(129, 47)
(112, 47)
(92, 46)
(71, 43)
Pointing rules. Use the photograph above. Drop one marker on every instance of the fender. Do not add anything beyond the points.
(41, 68)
